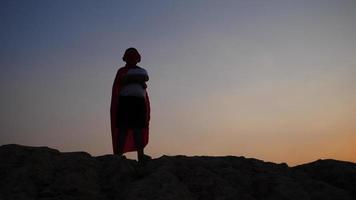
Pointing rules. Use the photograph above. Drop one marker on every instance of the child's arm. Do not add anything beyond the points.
(136, 78)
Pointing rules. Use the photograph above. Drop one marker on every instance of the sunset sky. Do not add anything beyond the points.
(269, 79)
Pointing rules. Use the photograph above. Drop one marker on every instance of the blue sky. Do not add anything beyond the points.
(254, 78)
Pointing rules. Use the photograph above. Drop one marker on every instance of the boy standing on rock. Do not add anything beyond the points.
(130, 108)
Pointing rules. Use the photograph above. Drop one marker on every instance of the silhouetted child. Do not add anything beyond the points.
(130, 107)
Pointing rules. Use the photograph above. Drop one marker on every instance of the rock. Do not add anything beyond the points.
(44, 173)
(339, 174)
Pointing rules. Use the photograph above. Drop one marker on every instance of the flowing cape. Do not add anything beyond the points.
(129, 144)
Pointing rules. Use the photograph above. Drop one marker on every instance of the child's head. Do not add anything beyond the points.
(131, 56)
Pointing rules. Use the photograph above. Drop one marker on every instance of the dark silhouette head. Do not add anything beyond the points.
(131, 56)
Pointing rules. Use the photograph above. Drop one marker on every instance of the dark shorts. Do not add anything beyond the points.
(131, 112)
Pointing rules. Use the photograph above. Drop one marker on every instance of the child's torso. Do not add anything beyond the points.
(134, 89)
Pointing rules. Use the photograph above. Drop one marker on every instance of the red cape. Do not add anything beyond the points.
(129, 144)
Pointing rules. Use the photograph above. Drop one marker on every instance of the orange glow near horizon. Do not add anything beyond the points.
(273, 80)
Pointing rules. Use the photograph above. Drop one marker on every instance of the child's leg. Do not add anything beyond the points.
(122, 139)
(141, 157)
(139, 142)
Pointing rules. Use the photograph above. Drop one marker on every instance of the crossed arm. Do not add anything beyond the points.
(137, 78)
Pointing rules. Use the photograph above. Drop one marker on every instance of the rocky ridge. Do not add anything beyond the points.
(47, 174)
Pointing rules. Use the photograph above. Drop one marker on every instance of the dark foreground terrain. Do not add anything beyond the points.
(44, 173)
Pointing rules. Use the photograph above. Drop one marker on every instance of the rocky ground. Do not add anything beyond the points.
(44, 173)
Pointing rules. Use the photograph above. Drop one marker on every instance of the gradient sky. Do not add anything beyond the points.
(274, 80)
